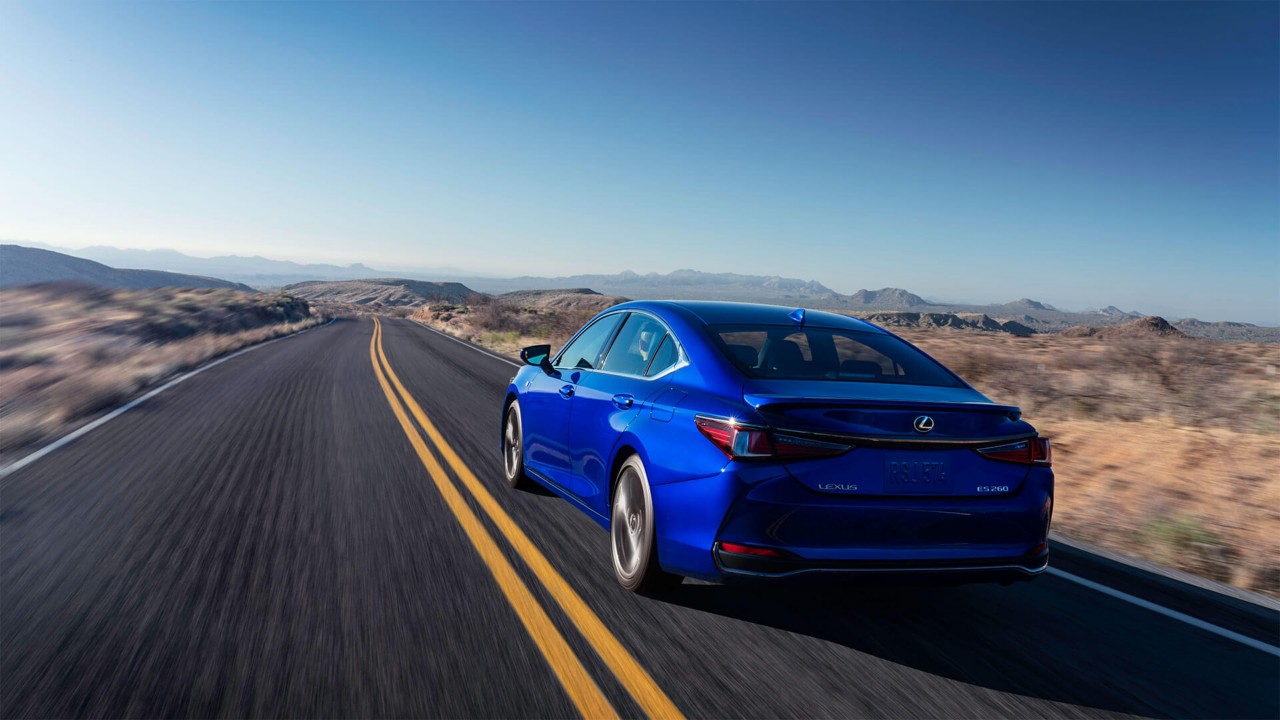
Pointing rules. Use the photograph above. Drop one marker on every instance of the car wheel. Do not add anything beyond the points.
(513, 447)
(631, 532)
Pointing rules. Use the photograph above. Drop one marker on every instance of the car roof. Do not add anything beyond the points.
(711, 312)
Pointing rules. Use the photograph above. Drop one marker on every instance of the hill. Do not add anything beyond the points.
(1230, 331)
(1147, 327)
(27, 266)
(886, 298)
(391, 292)
(957, 321)
(571, 299)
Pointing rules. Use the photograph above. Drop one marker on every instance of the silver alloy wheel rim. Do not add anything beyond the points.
(511, 438)
(630, 522)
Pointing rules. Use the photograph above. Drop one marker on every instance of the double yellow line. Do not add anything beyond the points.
(577, 682)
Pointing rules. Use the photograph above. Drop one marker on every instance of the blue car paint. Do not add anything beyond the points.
(574, 444)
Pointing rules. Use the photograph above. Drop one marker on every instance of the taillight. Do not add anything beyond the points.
(1032, 451)
(790, 446)
(736, 441)
(746, 442)
(750, 550)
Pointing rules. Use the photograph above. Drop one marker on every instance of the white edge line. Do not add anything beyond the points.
(473, 346)
(1174, 614)
(86, 429)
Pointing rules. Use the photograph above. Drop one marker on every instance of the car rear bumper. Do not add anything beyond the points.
(737, 566)
(828, 537)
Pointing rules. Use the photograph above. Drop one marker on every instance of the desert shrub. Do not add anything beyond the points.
(1183, 542)
(497, 316)
(24, 358)
(18, 319)
(18, 429)
(88, 392)
(500, 338)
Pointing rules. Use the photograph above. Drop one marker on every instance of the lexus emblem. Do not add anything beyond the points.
(922, 424)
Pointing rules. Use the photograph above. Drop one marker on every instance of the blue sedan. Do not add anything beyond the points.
(729, 441)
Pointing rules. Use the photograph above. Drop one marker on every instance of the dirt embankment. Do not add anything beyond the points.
(509, 322)
(68, 351)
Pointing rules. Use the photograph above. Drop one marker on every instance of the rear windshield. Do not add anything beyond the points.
(790, 353)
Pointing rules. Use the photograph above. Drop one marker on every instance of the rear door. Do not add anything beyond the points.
(609, 399)
(549, 398)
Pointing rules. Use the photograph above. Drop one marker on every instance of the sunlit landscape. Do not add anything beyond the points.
(638, 359)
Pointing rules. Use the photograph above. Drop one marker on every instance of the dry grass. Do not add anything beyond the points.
(69, 351)
(1164, 448)
(1203, 500)
(1180, 381)
(507, 326)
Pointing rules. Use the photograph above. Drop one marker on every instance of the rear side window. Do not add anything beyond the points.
(788, 353)
(635, 345)
(584, 352)
(667, 354)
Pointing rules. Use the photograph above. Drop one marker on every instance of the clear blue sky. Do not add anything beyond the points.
(1081, 154)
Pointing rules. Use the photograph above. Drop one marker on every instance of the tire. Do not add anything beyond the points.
(513, 447)
(632, 539)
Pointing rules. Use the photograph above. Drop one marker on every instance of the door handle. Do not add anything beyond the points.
(623, 401)
(566, 392)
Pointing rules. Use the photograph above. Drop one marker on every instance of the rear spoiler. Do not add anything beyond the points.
(777, 403)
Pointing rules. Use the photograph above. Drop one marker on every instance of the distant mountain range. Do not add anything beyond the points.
(893, 306)
(959, 321)
(27, 266)
(259, 272)
(696, 285)
(404, 287)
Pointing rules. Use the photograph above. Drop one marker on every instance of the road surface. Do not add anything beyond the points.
(283, 536)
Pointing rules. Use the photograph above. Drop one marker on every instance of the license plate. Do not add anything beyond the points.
(908, 474)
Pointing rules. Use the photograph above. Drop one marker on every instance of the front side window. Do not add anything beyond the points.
(788, 353)
(634, 346)
(584, 352)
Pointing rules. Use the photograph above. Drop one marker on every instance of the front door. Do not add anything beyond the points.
(552, 401)
(607, 400)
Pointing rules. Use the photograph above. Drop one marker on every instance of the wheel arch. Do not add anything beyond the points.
(512, 396)
(621, 453)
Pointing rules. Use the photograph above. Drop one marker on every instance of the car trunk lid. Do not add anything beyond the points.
(906, 440)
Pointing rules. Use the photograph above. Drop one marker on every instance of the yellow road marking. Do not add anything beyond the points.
(633, 677)
(577, 682)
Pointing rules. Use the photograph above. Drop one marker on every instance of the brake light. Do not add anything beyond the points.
(735, 440)
(749, 550)
(745, 442)
(1032, 451)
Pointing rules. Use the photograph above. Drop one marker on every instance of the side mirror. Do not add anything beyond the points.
(538, 356)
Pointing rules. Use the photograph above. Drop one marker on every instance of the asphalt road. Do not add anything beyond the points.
(266, 540)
